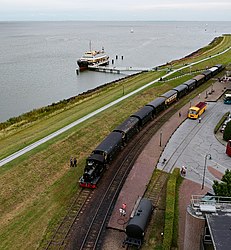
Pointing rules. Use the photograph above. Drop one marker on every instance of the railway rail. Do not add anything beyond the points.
(90, 220)
(91, 212)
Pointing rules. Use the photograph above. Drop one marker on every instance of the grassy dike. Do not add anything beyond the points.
(37, 188)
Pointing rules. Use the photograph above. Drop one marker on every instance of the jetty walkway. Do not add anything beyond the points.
(117, 70)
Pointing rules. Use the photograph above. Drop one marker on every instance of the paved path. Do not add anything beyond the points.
(192, 143)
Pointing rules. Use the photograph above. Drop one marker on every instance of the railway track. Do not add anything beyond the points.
(61, 233)
(84, 225)
(92, 237)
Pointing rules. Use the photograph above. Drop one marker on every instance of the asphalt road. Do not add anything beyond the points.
(193, 143)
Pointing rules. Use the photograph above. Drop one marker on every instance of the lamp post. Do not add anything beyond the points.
(210, 157)
(160, 138)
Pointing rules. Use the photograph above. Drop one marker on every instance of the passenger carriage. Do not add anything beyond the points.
(214, 70)
(128, 128)
(207, 73)
(199, 79)
(110, 146)
(158, 105)
(219, 66)
(191, 84)
(144, 115)
(170, 97)
(182, 90)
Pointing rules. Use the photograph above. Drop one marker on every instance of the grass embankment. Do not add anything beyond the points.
(36, 188)
(172, 211)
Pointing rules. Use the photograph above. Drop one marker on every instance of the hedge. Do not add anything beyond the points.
(171, 203)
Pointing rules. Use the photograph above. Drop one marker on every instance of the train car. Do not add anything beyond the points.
(199, 79)
(207, 73)
(214, 70)
(137, 225)
(219, 66)
(191, 84)
(110, 146)
(182, 90)
(170, 96)
(144, 115)
(128, 128)
(158, 105)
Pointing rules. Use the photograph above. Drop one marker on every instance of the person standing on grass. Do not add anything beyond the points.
(71, 162)
(75, 162)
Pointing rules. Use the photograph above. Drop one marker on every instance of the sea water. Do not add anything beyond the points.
(38, 59)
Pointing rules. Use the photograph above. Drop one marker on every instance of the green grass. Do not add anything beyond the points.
(37, 187)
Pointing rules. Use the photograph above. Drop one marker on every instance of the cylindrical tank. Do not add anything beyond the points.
(137, 225)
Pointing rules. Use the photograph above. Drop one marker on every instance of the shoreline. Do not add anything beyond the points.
(85, 94)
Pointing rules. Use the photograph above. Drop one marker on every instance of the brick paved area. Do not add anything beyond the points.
(140, 174)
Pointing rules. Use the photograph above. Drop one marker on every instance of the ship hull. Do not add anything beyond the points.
(83, 65)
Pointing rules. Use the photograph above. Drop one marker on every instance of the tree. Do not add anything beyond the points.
(223, 188)
(227, 132)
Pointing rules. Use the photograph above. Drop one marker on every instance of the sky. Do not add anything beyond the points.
(117, 10)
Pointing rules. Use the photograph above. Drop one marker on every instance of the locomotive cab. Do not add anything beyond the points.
(92, 171)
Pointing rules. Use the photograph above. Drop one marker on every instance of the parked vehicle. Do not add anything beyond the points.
(196, 111)
(227, 99)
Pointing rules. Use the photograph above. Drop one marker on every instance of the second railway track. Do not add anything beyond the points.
(88, 225)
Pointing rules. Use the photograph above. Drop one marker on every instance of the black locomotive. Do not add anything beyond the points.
(107, 150)
(137, 225)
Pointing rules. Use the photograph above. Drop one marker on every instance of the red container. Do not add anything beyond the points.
(228, 148)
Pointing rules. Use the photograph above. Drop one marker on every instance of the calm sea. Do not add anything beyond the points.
(38, 59)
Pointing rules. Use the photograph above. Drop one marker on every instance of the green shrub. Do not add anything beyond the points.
(170, 211)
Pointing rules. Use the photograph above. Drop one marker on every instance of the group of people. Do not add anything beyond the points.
(73, 162)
